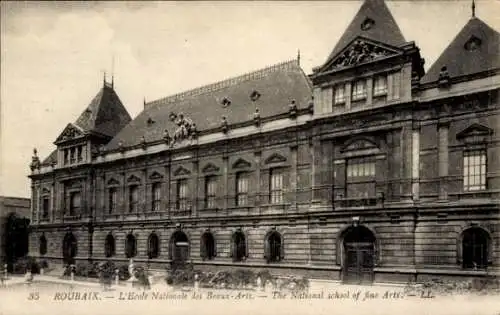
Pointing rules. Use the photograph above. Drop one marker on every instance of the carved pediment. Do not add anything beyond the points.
(182, 171)
(475, 133)
(275, 158)
(113, 182)
(70, 132)
(155, 176)
(359, 52)
(45, 191)
(133, 179)
(240, 163)
(359, 144)
(210, 168)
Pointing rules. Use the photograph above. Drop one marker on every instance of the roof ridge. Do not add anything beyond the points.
(227, 82)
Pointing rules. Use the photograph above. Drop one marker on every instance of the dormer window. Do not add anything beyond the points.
(339, 94)
(367, 24)
(359, 90)
(473, 43)
(380, 85)
(254, 96)
(225, 102)
(73, 155)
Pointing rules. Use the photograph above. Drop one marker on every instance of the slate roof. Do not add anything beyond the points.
(105, 115)
(277, 85)
(384, 30)
(460, 61)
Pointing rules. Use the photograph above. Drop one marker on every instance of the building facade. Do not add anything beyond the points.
(14, 229)
(368, 169)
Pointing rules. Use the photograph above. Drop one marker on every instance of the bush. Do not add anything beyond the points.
(24, 264)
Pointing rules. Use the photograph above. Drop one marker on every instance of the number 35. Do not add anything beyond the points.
(33, 296)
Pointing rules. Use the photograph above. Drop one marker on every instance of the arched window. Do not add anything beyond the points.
(273, 247)
(109, 246)
(207, 246)
(475, 243)
(239, 246)
(153, 246)
(43, 245)
(130, 246)
(69, 248)
(179, 247)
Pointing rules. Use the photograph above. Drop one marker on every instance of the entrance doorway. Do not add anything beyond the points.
(179, 248)
(69, 248)
(359, 255)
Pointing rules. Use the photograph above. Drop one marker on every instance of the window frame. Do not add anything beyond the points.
(133, 198)
(211, 182)
(156, 196)
(182, 195)
(357, 95)
(242, 188)
(73, 209)
(377, 91)
(480, 153)
(112, 199)
(276, 192)
(339, 100)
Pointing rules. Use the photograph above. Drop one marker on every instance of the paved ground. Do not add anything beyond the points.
(49, 295)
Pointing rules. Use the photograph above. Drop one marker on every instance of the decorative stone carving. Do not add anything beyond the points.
(35, 161)
(186, 129)
(143, 143)
(256, 117)
(359, 52)
(444, 77)
(292, 109)
(224, 125)
(166, 137)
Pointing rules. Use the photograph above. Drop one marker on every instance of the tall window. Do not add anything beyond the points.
(80, 153)
(153, 246)
(133, 198)
(475, 170)
(112, 199)
(156, 193)
(207, 250)
(45, 207)
(43, 245)
(276, 186)
(241, 189)
(475, 248)
(359, 90)
(75, 203)
(380, 85)
(182, 194)
(273, 247)
(239, 246)
(360, 175)
(210, 192)
(339, 94)
(130, 246)
(109, 246)
(66, 156)
(72, 155)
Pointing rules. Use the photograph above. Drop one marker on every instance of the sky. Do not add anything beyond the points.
(54, 54)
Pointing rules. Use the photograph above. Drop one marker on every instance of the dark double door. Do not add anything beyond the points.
(359, 262)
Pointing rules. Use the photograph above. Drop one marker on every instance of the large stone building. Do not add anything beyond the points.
(367, 169)
(14, 229)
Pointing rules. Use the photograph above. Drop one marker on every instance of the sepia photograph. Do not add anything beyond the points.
(261, 157)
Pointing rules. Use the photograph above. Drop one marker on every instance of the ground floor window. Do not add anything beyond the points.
(207, 247)
(43, 245)
(239, 247)
(153, 246)
(130, 246)
(109, 246)
(475, 245)
(273, 247)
